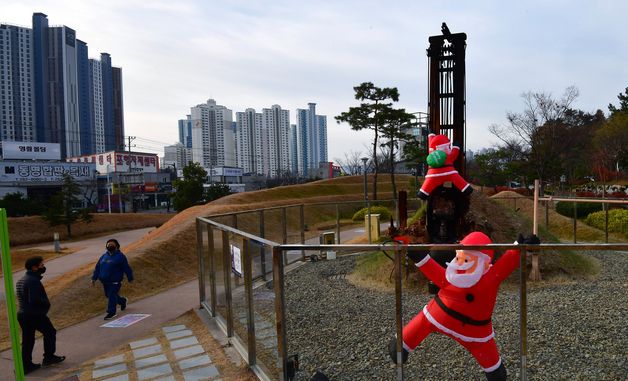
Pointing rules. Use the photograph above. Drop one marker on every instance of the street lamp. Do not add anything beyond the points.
(366, 197)
(108, 190)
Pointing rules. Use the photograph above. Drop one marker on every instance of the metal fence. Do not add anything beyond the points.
(243, 278)
(548, 200)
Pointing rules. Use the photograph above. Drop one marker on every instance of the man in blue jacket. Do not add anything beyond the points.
(32, 315)
(110, 270)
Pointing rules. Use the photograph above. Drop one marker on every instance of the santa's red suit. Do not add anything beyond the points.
(464, 314)
(437, 176)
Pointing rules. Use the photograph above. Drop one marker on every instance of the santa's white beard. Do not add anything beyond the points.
(464, 280)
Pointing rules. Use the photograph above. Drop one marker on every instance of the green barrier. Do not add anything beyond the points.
(10, 296)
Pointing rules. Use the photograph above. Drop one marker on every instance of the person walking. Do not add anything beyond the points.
(110, 270)
(33, 315)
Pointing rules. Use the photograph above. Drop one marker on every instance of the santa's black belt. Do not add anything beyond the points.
(458, 316)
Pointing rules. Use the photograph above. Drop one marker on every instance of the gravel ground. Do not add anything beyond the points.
(576, 330)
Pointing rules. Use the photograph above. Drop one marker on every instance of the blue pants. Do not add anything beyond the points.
(111, 292)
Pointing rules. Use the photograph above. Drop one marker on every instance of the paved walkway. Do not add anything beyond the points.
(88, 340)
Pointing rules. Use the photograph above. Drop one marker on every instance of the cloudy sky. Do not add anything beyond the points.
(176, 54)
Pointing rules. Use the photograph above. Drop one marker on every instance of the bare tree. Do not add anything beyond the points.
(351, 164)
(537, 130)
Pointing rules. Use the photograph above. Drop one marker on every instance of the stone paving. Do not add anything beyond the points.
(173, 355)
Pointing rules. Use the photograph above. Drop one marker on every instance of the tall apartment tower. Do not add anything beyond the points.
(17, 105)
(84, 99)
(118, 108)
(276, 125)
(293, 150)
(185, 131)
(96, 100)
(311, 140)
(213, 141)
(251, 141)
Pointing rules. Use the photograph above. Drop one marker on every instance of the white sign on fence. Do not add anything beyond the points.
(236, 260)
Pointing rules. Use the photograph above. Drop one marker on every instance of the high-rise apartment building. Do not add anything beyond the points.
(185, 131)
(48, 88)
(250, 141)
(276, 126)
(293, 150)
(213, 140)
(311, 140)
(17, 107)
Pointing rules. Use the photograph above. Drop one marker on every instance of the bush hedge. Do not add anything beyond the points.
(583, 209)
(617, 220)
(384, 213)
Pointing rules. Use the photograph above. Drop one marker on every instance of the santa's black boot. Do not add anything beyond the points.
(498, 374)
(392, 351)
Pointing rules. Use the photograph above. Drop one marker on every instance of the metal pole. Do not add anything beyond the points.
(523, 315)
(201, 267)
(108, 191)
(262, 249)
(284, 233)
(119, 194)
(226, 268)
(575, 218)
(280, 309)
(9, 293)
(606, 223)
(399, 311)
(302, 228)
(212, 268)
(337, 224)
(248, 288)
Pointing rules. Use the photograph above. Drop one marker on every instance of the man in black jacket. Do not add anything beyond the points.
(32, 315)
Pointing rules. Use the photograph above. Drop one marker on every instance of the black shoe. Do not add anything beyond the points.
(52, 360)
(422, 196)
(31, 367)
(392, 351)
(468, 191)
(110, 316)
(124, 302)
(498, 374)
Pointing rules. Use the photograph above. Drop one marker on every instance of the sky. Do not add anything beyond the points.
(177, 54)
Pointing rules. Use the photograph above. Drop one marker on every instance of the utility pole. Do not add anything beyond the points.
(131, 138)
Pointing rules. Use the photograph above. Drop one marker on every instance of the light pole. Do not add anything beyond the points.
(366, 197)
(108, 190)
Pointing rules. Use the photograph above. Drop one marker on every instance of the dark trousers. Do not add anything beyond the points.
(111, 292)
(30, 324)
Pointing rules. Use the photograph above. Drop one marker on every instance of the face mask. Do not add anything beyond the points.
(111, 249)
(41, 270)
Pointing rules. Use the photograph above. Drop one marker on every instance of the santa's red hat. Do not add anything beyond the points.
(478, 238)
(437, 140)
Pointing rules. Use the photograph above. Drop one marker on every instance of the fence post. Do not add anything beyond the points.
(262, 249)
(248, 289)
(399, 311)
(234, 220)
(212, 268)
(302, 220)
(575, 219)
(337, 224)
(523, 314)
(535, 274)
(10, 296)
(606, 223)
(280, 310)
(226, 268)
(284, 232)
(201, 261)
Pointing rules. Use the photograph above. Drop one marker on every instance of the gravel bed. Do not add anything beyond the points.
(576, 330)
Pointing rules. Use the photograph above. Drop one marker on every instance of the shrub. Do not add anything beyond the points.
(583, 208)
(418, 214)
(617, 220)
(384, 213)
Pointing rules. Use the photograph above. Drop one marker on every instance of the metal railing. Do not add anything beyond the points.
(249, 302)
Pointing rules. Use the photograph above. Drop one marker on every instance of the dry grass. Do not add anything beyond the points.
(228, 370)
(29, 230)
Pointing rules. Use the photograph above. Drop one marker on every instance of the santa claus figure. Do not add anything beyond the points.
(463, 307)
(441, 166)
